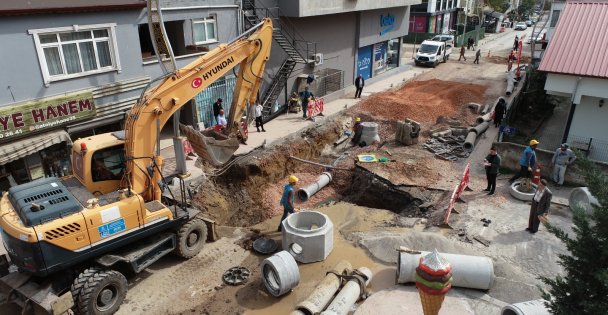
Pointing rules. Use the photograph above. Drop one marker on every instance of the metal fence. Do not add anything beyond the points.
(224, 89)
(328, 81)
(594, 149)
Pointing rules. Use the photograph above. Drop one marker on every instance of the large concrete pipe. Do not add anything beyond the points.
(324, 292)
(349, 295)
(322, 181)
(486, 109)
(469, 141)
(510, 83)
(280, 273)
(481, 128)
(474, 272)
(535, 307)
(484, 118)
(583, 198)
(369, 134)
(308, 236)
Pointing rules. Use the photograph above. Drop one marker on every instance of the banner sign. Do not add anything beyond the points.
(315, 107)
(464, 182)
(22, 118)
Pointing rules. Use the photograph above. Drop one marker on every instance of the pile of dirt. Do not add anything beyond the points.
(423, 101)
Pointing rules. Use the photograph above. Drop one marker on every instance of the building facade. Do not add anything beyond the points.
(434, 16)
(72, 70)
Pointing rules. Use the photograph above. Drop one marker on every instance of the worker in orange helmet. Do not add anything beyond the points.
(288, 200)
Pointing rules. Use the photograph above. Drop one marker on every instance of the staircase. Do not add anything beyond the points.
(285, 35)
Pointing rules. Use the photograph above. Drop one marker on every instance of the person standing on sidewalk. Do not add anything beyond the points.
(492, 164)
(306, 97)
(539, 211)
(258, 117)
(288, 200)
(527, 161)
(477, 56)
(516, 43)
(462, 54)
(359, 84)
(561, 159)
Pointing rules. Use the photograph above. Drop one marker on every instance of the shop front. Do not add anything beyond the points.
(33, 140)
(380, 40)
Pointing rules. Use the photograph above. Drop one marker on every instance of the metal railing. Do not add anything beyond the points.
(594, 149)
(328, 81)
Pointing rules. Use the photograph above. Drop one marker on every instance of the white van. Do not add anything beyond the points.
(431, 53)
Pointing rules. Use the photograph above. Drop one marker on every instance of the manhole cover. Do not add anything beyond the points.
(236, 275)
(265, 246)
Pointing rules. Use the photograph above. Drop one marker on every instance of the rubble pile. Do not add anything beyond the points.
(446, 145)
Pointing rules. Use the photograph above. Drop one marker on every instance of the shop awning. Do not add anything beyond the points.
(21, 148)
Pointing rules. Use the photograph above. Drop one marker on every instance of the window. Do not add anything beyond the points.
(108, 164)
(75, 51)
(554, 18)
(204, 31)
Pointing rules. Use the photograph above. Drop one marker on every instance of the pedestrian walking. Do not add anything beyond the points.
(499, 111)
(288, 199)
(492, 164)
(217, 106)
(526, 161)
(561, 159)
(539, 211)
(462, 54)
(359, 84)
(477, 56)
(305, 97)
(510, 61)
(259, 123)
(469, 42)
(516, 43)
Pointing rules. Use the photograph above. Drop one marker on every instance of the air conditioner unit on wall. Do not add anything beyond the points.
(318, 58)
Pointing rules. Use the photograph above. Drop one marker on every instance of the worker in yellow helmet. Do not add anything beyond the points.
(288, 200)
(526, 161)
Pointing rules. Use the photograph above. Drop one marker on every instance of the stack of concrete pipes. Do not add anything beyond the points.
(318, 302)
(483, 123)
(511, 81)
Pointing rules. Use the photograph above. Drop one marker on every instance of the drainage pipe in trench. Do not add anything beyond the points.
(481, 128)
(324, 292)
(469, 141)
(474, 272)
(318, 164)
(484, 118)
(307, 192)
(534, 307)
(349, 295)
(280, 273)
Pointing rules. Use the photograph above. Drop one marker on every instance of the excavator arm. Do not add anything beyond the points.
(156, 106)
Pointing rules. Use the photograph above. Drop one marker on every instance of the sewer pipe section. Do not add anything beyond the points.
(306, 192)
(320, 297)
(349, 295)
(534, 307)
(582, 197)
(474, 272)
(469, 141)
(280, 273)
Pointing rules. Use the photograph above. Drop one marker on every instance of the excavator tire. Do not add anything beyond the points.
(103, 293)
(79, 283)
(191, 238)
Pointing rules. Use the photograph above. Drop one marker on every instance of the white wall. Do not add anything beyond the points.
(589, 121)
(556, 5)
(304, 8)
(561, 84)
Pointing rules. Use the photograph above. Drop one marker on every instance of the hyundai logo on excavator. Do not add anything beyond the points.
(207, 75)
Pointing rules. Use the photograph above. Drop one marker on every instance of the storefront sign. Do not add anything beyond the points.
(387, 23)
(43, 114)
(364, 62)
(418, 24)
(379, 57)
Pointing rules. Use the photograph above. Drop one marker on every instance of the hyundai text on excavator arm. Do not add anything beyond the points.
(72, 238)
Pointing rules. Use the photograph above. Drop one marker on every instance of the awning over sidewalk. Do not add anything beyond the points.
(24, 147)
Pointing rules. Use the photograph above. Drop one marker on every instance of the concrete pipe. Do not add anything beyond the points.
(280, 273)
(305, 193)
(582, 197)
(534, 307)
(510, 83)
(474, 272)
(481, 128)
(369, 134)
(308, 236)
(484, 118)
(469, 141)
(348, 296)
(325, 291)
(296, 312)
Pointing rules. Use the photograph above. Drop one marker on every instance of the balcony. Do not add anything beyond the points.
(304, 8)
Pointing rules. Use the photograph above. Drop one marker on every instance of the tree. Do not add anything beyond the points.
(584, 287)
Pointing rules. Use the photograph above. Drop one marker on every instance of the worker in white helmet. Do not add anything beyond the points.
(288, 200)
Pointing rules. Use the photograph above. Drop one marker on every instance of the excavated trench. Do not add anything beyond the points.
(239, 196)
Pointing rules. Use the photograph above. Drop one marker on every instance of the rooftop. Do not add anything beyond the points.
(66, 6)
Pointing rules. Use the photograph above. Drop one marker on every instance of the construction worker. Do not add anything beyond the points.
(288, 200)
(462, 54)
(527, 161)
(562, 157)
(357, 131)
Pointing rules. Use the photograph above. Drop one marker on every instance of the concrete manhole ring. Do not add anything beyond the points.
(265, 246)
(524, 196)
(236, 275)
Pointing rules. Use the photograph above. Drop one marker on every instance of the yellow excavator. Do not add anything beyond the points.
(72, 239)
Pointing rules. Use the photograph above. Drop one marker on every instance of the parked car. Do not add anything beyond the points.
(447, 38)
(431, 53)
(520, 26)
(529, 23)
(537, 36)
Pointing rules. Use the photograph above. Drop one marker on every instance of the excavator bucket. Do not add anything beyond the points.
(210, 145)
